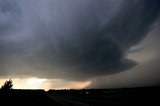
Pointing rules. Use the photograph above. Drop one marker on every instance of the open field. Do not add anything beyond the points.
(83, 97)
(95, 97)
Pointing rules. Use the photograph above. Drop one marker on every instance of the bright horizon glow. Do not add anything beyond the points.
(46, 84)
(35, 81)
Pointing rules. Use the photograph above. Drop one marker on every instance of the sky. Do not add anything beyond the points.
(63, 44)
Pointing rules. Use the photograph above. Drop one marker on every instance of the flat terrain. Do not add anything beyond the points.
(103, 97)
(26, 98)
(83, 97)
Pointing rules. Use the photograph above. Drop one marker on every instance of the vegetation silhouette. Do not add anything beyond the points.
(7, 85)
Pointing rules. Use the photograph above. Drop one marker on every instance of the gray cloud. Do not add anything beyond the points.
(10, 14)
(146, 73)
(73, 40)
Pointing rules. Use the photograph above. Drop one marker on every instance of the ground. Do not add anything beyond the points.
(83, 97)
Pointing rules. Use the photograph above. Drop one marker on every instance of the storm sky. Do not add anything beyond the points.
(110, 43)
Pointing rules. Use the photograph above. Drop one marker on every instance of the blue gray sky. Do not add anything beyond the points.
(111, 43)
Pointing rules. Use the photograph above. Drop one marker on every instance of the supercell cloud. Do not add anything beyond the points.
(72, 39)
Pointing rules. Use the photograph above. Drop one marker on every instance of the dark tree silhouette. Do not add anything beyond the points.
(7, 85)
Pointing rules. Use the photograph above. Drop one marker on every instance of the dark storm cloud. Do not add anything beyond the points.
(9, 14)
(146, 73)
(73, 39)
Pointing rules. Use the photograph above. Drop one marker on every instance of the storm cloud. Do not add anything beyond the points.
(72, 39)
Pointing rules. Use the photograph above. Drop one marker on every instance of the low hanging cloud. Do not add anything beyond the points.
(146, 73)
(68, 39)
